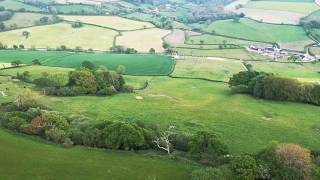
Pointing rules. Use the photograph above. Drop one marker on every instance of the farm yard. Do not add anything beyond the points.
(148, 90)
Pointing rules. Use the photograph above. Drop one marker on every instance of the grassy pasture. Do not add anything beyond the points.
(315, 50)
(24, 19)
(222, 53)
(36, 71)
(114, 22)
(272, 16)
(61, 34)
(74, 8)
(17, 5)
(245, 124)
(308, 72)
(32, 159)
(220, 70)
(212, 39)
(290, 37)
(143, 40)
(135, 64)
(299, 7)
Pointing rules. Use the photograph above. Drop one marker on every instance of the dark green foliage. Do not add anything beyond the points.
(16, 62)
(244, 168)
(204, 144)
(25, 76)
(88, 65)
(267, 86)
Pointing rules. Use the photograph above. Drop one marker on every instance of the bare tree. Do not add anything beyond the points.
(163, 141)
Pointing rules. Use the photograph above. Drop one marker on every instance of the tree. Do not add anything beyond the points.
(25, 34)
(163, 141)
(121, 69)
(2, 26)
(84, 80)
(36, 62)
(152, 51)
(16, 63)
(206, 144)
(26, 99)
(21, 46)
(244, 168)
(44, 20)
(88, 65)
(14, 46)
(165, 45)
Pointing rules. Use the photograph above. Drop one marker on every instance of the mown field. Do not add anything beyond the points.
(113, 22)
(299, 7)
(289, 37)
(16, 5)
(239, 54)
(34, 159)
(143, 40)
(212, 39)
(74, 8)
(56, 35)
(213, 69)
(135, 64)
(24, 19)
(309, 72)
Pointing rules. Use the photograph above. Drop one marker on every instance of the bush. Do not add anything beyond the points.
(244, 168)
(207, 174)
(206, 144)
(56, 135)
(126, 89)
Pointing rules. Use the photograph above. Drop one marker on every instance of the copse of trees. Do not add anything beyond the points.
(85, 81)
(268, 86)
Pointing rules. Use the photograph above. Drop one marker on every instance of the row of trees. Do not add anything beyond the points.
(268, 86)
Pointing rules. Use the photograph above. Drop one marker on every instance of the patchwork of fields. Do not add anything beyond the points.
(135, 64)
(16, 5)
(20, 20)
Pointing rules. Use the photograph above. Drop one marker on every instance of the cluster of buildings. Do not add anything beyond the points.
(276, 53)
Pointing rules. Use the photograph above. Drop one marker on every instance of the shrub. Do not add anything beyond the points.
(244, 168)
(56, 135)
(206, 144)
(207, 174)
(126, 89)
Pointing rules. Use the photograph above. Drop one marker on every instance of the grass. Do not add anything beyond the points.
(306, 72)
(24, 19)
(29, 158)
(289, 37)
(61, 34)
(299, 7)
(245, 124)
(223, 53)
(220, 70)
(143, 40)
(74, 8)
(135, 64)
(36, 71)
(17, 5)
(315, 50)
(212, 39)
(114, 22)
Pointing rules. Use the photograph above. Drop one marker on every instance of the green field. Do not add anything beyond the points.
(220, 70)
(56, 35)
(211, 39)
(17, 5)
(36, 71)
(74, 8)
(308, 72)
(289, 37)
(223, 53)
(135, 64)
(32, 159)
(299, 7)
(24, 20)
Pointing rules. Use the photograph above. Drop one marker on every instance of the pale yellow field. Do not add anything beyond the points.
(272, 16)
(143, 40)
(110, 21)
(5, 65)
(61, 34)
(90, 2)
